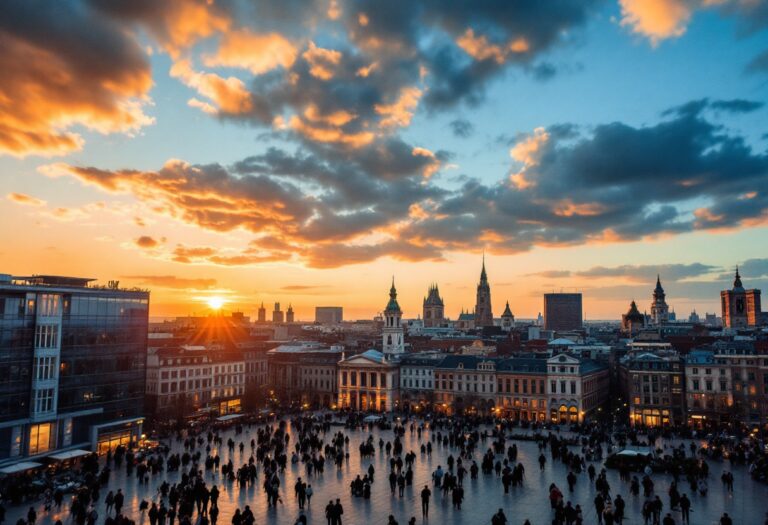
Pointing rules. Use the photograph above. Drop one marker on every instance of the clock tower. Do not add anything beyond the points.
(741, 308)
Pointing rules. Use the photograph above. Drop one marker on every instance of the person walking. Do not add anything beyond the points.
(685, 509)
(425, 495)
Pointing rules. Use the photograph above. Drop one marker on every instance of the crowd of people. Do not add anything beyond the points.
(471, 448)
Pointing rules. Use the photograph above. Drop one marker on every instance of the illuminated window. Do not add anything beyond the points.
(39, 438)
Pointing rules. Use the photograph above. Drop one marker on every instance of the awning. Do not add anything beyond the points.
(69, 454)
(229, 417)
(20, 467)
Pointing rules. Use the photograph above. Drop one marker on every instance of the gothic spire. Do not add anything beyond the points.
(737, 280)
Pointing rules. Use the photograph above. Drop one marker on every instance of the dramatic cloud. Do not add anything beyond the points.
(712, 180)
(24, 199)
(63, 66)
(334, 209)
(171, 281)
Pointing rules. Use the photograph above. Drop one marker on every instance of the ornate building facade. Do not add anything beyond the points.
(483, 312)
(433, 308)
(659, 307)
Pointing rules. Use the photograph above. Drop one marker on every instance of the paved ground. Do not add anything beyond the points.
(747, 505)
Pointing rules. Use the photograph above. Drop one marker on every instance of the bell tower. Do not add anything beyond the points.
(393, 341)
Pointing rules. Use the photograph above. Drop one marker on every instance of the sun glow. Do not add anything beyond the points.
(215, 302)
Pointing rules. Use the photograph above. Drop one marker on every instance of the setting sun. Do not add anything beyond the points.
(215, 302)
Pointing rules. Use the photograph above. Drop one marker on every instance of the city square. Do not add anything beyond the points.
(482, 498)
(387, 262)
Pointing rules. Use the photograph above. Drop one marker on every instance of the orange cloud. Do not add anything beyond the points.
(322, 62)
(334, 11)
(258, 53)
(479, 48)
(326, 134)
(45, 90)
(179, 24)
(24, 199)
(656, 19)
(337, 118)
(434, 164)
(229, 95)
(568, 208)
(527, 151)
(400, 112)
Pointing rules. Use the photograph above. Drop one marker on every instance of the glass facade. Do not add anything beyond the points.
(70, 358)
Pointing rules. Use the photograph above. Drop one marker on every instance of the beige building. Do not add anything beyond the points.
(368, 381)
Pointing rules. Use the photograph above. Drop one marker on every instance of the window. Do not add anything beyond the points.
(353, 378)
(45, 368)
(39, 438)
(46, 336)
(562, 387)
(553, 386)
(373, 380)
(43, 400)
(573, 387)
(363, 379)
(48, 305)
(383, 378)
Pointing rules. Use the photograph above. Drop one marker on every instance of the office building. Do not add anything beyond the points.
(562, 311)
(329, 314)
(72, 362)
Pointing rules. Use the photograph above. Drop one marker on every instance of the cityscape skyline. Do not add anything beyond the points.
(211, 149)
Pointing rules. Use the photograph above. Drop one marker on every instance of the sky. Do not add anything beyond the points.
(309, 151)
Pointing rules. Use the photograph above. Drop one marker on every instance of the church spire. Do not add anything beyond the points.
(737, 280)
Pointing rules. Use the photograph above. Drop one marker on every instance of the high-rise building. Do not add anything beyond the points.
(289, 314)
(659, 308)
(562, 311)
(329, 314)
(433, 308)
(393, 342)
(277, 314)
(483, 312)
(262, 316)
(72, 358)
(741, 308)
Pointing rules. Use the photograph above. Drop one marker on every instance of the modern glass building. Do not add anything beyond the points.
(72, 365)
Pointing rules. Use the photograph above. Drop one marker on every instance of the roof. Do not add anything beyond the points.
(523, 365)
(466, 316)
(507, 312)
(392, 305)
(590, 365)
(468, 362)
(562, 341)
